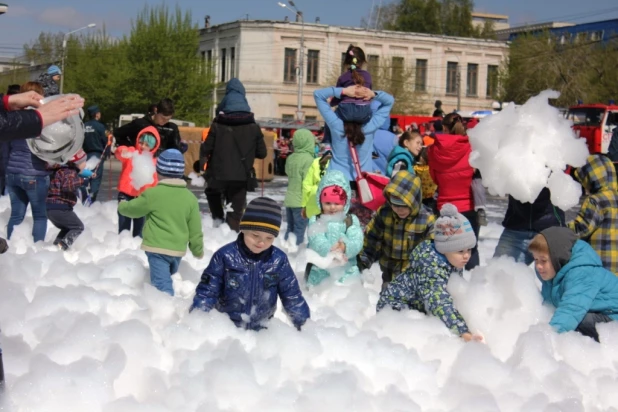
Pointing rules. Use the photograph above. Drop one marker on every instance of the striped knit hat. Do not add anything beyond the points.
(262, 214)
(171, 164)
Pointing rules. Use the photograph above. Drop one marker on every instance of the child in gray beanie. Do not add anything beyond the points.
(422, 286)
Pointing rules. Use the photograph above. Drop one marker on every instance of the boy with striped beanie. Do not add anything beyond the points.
(244, 278)
(173, 220)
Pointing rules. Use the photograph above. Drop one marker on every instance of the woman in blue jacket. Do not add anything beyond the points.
(574, 281)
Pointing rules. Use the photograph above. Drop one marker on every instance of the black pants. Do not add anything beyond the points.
(234, 193)
(475, 260)
(124, 223)
(69, 224)
(1, 376)
(588, 325)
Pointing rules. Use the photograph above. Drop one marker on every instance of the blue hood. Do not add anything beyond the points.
(234, 99)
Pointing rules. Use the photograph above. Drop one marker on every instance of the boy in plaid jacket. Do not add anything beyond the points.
(397, 227)
(597, 220)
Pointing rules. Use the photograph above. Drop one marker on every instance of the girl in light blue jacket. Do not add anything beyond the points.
(333, 233)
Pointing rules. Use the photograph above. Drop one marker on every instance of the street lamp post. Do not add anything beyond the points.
(301, 59)
(64, 50)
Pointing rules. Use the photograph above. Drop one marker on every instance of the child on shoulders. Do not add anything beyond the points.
(334, 230)
(244, 278)
(350, 109)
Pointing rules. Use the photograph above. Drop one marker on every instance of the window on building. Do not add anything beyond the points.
(451, 78)
(420, 84)
(289, 65)
(209, 62)
(492, 82)
(472, 81)
(373, 63)
(397, 71)
(232, 62)
(343, 62)
(223, 65)
(313, 66)
(596, 35)
(311, 118)
(288, 117)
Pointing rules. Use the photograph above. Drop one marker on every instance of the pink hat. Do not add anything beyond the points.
(333, 194)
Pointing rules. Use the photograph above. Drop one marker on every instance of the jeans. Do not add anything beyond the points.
(162, 267)
(588, 325)
(25, 189)
(514, 243)
(352, 112)
(296, 224)
(475, 260)
(69, 224)
(124, 223)
(95, 182)
(234, 193)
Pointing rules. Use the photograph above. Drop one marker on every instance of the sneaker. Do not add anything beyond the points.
(481, 217)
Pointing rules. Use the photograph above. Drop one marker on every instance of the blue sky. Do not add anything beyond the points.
(27, 18)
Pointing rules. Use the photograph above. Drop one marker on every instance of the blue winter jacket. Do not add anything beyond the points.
(22, 161)
(342, 160)
(235, 99)
(581, 286)
(322, 239)
(400, 154)
(246, 285)
(383, 143)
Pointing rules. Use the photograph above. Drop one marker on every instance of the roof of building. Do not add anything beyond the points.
(534, 27)
(481, 15)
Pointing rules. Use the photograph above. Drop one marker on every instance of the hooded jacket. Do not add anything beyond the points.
(597, 220)
(50, 87)
(63, 186)
(342, 159)
(390, 239)
(400, 154)
(124, 184)
(297, 165)
(95, 139)
(235, 99)
(581, 284)
(451, 170)
(422, 287)
(322, 239)
(246, 286)
(310, 185)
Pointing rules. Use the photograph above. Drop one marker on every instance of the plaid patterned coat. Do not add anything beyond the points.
(389, 239)
(63, 186)
(597, 221)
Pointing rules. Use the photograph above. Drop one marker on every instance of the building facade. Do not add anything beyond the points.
(264, 55)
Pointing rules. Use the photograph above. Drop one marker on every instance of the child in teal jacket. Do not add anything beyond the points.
(574, 281)
(333, 230)
(173, 220)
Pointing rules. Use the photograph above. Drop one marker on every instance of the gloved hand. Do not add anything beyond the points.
(126, 154)
(362, 263)
(298, 327)
(183, 147)
(86, 173)
(4, 246)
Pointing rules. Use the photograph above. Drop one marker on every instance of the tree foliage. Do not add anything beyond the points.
(157, 59)
(579, 70)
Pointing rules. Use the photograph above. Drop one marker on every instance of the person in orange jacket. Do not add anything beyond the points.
(147, 143)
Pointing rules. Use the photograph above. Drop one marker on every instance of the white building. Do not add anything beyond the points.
(264, 56)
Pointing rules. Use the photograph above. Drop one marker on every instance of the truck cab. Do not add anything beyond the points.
(595, 123)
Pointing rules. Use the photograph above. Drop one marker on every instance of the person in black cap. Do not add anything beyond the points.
(95, 145)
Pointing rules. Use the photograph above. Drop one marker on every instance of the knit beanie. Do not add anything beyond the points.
(149, 139)
(53, 70)
(171, 164)
(262, 214)
(79, 157)
(452, 231)
(333, 194)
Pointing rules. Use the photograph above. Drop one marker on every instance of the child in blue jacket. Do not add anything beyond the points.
(333, 230)
(245, 277)
(574, 281)
(423, 285)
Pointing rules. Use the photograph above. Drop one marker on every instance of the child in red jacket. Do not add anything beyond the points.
(130, 184)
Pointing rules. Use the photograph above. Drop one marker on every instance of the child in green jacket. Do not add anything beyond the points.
(172, 220)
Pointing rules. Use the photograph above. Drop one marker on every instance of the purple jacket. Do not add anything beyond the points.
(345, 80)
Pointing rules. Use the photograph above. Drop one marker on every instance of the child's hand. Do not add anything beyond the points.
(303, 213)
(470, 337)
(86, 173)
(350, 91)
(125, 154)
(338, 247)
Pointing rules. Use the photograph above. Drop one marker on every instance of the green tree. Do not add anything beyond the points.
(46, 49)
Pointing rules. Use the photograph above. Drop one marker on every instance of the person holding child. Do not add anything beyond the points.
(244, 278)
(334, 230)
(404, 154)
(65, 181)
(597, 220)
(574, 281)
(148, 141)
(172, 220)
(422, 286)
(397, 227)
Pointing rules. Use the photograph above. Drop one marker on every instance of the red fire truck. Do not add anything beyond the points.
(594, 122)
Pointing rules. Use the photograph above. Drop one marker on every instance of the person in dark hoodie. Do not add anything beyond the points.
(49, 80)
(234, 141)
(170, 136)
(574, 281)
(523, 221)
(95, 144)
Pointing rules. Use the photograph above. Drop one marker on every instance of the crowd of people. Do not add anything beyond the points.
(425, 230)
